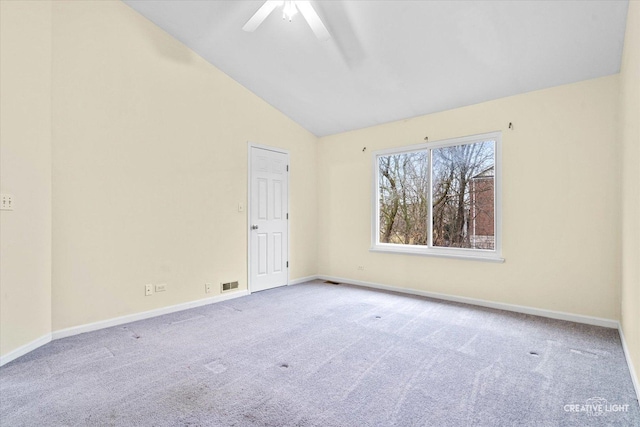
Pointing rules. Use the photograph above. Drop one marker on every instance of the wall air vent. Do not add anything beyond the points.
(230, 286)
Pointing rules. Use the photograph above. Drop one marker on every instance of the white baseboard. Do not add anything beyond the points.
(21, 351)
(627, 355)
(75, 330)
(578, 318)
(302, 280)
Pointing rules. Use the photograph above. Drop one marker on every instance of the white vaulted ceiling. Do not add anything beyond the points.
(391, 60)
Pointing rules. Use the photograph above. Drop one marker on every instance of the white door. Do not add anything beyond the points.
(268, 216)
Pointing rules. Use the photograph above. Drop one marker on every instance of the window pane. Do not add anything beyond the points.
(403, 190)
(463, 196)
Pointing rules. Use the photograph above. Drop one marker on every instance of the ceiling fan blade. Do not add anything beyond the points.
(313, 20)
(262, 13)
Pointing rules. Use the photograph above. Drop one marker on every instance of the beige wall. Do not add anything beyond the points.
(25, 172)
(149, 166)
(630, 136)
(561, 202)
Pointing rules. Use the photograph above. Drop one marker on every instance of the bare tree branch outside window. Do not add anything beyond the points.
(462, 174)
(403, 190)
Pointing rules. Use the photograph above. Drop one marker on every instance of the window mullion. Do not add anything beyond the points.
(430, 201)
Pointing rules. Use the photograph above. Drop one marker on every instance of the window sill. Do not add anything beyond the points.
(491, 257)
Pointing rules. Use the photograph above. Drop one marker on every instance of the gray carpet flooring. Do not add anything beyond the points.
(326, 355)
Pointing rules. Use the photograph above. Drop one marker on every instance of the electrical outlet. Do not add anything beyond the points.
(6, 202)
(207, 288)
(148, 290)
(161, 287)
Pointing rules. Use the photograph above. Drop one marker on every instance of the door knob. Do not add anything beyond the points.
(254, 227)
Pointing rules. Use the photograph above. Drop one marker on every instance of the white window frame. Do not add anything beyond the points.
(494, 255)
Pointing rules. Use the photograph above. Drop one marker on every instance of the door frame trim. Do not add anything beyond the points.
(250, 146)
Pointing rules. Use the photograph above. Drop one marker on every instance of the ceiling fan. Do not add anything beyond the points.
(290, 8)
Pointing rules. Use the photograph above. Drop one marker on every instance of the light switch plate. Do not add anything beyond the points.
(6, 202)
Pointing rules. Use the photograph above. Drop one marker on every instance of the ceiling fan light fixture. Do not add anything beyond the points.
(289, 10)
(291, 7)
